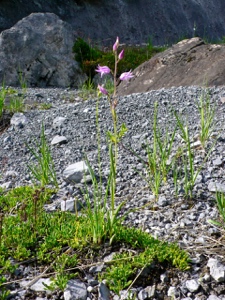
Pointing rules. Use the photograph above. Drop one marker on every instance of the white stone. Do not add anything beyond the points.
(18, 120)
(59, 140)
(6, 185)
(171, 291)
(217, 270)
(38, 286)
(192, 285)
(75, 173)
(216, 187)
(213, 297)
(59, 122)
(70, 205)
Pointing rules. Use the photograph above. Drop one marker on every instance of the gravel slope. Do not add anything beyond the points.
(173, 218)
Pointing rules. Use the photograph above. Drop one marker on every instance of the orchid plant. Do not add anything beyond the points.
(114, 138)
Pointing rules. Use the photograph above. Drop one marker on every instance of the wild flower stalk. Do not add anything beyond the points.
(100, 225)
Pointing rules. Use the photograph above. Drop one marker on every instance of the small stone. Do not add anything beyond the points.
(162, 201)
(96, 269)
(142, 295)
(126, 295)
(216, 187)
(109, 257)
(192, 285)
(38, 286)
(74, 173)
(72, 205)
(90, 289)
(59, 140)
(59, 122)
(200, 240)
(164, 278)
(6, 185)
(196, 144)
(217, 270)
(92, 282)
(206, 278)
(75, 290)
(171, 291)
(104, 293)
(217, 162)
(213, 297)
(18, 120)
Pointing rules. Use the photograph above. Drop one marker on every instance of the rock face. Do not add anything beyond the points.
(134, 21)
(38, 49)
(190, 62)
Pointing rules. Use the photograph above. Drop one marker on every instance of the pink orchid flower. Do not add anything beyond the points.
(121, 55)
(126, 75)
(103, 70)
(102, 90)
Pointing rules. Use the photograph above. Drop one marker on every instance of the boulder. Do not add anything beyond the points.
(189, 62)
(38, 50)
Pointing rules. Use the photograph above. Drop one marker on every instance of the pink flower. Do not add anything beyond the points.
(102, 90)
(116, 45)
(121, 55)
(103, 70)
(126, 75)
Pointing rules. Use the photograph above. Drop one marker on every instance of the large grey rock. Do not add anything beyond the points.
(39, 49)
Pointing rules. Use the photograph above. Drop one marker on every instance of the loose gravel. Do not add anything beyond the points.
(170, 217)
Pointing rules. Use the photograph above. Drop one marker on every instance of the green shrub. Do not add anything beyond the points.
(90, 57)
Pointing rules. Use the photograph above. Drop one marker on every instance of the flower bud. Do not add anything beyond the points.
(116, 45)
(121, 55)
(102, 90)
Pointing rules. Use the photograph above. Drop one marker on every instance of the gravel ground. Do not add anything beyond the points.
(170, 217)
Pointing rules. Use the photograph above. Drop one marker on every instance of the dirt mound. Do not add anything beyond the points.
(189, 62)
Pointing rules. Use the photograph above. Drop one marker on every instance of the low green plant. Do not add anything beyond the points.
(90, 56)
(85, 52)
(22, 81)
(3, 93)
(207, 114)
(44, 170)
(220, 200)
(4, 292)
(61, 263)
(158, 162)
(9, 101)
(62, 241)
(16, 104)
(87, 90)
(44, 106)
(124, 267)
(190, 171)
